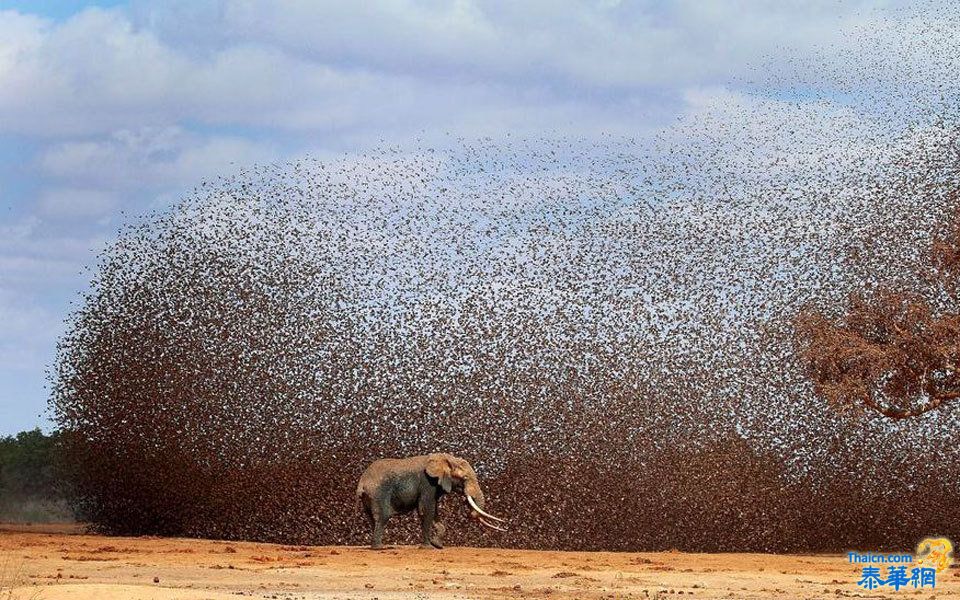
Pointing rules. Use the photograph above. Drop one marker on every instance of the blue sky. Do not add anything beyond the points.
(110, 109)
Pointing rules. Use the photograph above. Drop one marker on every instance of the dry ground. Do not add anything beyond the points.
(51, 563)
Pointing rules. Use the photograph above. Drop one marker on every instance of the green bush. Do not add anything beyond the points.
(30, 489)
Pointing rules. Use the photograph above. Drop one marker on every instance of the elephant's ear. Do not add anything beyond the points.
(439, 467)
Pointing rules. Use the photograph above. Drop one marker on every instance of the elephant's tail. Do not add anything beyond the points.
(360, 494)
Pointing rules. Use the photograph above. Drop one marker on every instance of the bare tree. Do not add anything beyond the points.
(894, 352)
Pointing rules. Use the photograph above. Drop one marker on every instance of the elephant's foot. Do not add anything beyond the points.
(430, 546)
(436, 540)
(377, 546)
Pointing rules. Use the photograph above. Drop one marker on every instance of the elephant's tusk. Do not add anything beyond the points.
(490, 525)
(474, 506)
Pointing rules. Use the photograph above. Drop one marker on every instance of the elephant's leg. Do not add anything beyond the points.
(428, 514)
(376, 540)
(436, 536)
(369, 510)
(381, 514)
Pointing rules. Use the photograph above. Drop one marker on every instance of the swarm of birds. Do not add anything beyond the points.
(603, 327)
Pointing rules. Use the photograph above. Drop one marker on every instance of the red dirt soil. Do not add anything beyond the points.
(52, 562)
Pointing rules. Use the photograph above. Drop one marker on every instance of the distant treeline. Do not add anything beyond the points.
(30, 489)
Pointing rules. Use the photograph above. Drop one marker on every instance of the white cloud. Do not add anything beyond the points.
(35, 256)
(150, 158)
(22, 35)
(338, 67)
(588, 43)
(71, 203)
(28, 332)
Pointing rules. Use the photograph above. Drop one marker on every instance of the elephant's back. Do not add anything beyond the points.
(383, 469)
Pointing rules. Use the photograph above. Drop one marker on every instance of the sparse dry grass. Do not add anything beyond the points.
(12, 577)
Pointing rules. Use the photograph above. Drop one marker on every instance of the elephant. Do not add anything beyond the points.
(392, 486)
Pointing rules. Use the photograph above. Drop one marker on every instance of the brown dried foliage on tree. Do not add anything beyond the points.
(893, 351)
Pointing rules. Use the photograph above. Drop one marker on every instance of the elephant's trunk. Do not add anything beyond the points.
(472, 490)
